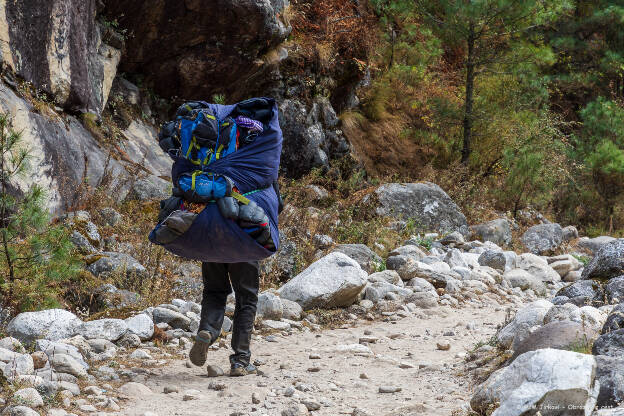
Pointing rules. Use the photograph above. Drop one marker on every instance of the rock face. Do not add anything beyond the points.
(51, 324)
(335, 280)
(497, 231)
(608, 261)
(213, 54)
(543, 238)
(543, 377)
(57, 45)
(310, 137)
(424, 203)
(62, 147)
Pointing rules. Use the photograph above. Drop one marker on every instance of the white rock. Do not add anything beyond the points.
(333, 281)
(282, 326)
(270, 306)
(109, 329)
(62, 363)
(524, 280)
(140, 355)
(141, 325)
(559, 378)
(12, 344)
(15, 363)
(389, 276)
(135, 389)
(354, 349)
(538, 267)
(28, 396)
(52, 347)
(291, 310)
(51, 324)
(531, 315)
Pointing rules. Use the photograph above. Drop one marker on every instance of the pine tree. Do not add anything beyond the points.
(487, 30)
(36, 258)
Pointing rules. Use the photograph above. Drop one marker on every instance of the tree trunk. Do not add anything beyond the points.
(468, 105)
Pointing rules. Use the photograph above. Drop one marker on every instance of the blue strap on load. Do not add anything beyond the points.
(253, 169)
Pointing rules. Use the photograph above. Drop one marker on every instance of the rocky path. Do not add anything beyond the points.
(334, 371)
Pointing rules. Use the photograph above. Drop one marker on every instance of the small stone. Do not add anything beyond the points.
(171, 389)
(311, 405)
(140, 355)
(315, 356)
(214, 371)
(389, 389)
(87, 408)
(314, 369)
(191, 395)
(368, 340)
(40, 359)
(255, 398)
(289, 391)
(217, 386)
(364, 376)
(368, 332)
(443, 345)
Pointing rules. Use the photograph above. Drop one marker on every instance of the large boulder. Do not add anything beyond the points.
(425, 203)
(608, 262)
(63, 146)
(583, 292)
(497, 231)
(610, 375)
(548, 378)
(529, 316)
(333, 281)
(614, 290)
(615, 320)
(610, 343)
(222, 44)
(560, 335)
(58, 46)
(543, 238)
(494, 259)
(51, 324)
(366, 258)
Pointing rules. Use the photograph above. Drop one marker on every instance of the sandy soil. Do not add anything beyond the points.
(405, 355)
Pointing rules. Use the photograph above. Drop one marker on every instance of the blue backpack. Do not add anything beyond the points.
(201, 138)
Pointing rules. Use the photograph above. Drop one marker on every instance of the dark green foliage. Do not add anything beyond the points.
(36, 257)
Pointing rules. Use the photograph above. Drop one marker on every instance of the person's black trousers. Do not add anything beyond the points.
(219, 280)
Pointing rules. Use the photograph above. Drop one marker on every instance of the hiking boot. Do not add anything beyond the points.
(240, 369)
(198, 352)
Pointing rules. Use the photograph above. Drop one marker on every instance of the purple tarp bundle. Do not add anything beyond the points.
(253, 169)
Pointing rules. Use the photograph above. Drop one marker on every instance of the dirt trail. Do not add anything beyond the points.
(431, 379)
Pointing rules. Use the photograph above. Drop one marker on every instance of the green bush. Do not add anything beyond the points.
(36, 257)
